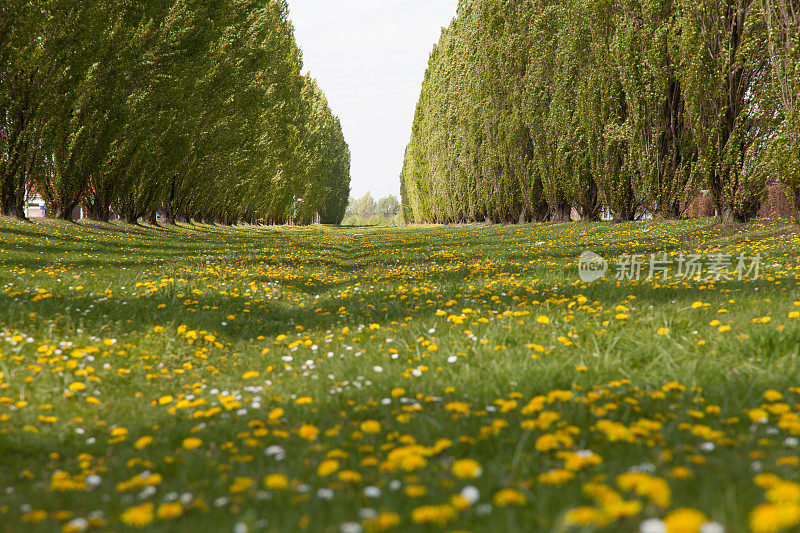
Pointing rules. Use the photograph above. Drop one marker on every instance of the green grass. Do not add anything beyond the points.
(250, 339)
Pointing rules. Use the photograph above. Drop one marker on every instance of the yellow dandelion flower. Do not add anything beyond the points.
(139, 516)
(415, 491)
(507, 497)
(684, 520)
(276, 482)
(557, 476)
(784, 492)
(433, 514)
(143, 442)
(773, 396)
(383, 522)
(350, 476)
(371, 426)
(457, 407)
(240, 484)
(583, 516)
(191, 443)
(773, 517)
(308, 432)
(328, 467)
(170, 510)
(467, 468)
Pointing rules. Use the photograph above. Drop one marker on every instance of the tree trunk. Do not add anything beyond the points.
(523, 216)
(797, 206)
(12, 198)
(560, 214)
(65, 212)
(98, 211)
(672, 212)
(13, 207)
(590, 215)
(542, 212)
(725, 214)
(5, 197)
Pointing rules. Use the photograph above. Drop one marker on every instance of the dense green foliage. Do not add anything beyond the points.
(783, 28)
(191, 108)
(529, 109)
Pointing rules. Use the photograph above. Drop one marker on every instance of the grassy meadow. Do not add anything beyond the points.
(458, 378)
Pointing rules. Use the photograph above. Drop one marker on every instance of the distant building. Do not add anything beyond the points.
(35, 207)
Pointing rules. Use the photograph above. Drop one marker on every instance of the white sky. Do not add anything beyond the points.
(369, 56)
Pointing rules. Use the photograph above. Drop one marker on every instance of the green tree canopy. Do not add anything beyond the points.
(531, 109)
(195, 109)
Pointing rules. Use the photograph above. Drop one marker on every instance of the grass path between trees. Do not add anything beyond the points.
(201, 378)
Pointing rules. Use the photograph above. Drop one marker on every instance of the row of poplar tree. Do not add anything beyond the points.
(194, 109)
(532, 108)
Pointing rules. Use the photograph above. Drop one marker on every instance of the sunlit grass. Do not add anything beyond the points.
(330, 379)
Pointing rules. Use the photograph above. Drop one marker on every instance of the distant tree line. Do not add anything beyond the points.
(530, 109)
(366, 210)
(194, 109)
